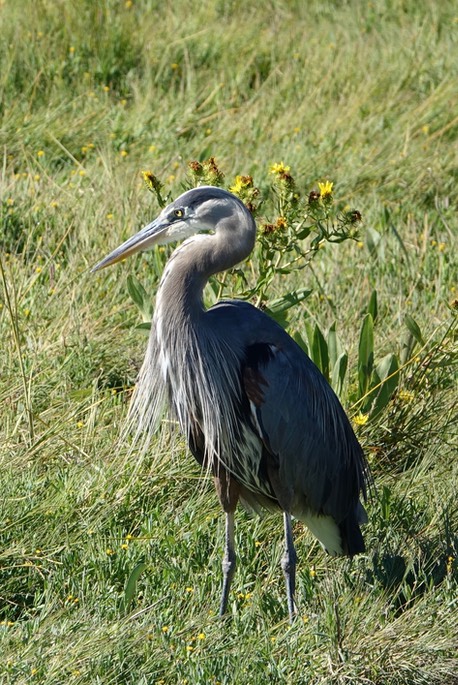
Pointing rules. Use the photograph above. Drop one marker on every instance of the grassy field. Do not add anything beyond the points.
(91, 93)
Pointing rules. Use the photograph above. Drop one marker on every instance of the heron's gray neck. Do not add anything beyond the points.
(179, 298)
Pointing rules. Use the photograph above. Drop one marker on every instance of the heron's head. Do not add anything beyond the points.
(198, 210)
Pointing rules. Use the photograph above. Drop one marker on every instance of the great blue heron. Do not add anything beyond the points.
(255, 409)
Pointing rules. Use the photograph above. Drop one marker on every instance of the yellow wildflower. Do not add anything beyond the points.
(361, 419)
(325, 188)
(406, 396)
(201, 636)
(279, 168)
(123, 153)
(40, 153)
(240, 183)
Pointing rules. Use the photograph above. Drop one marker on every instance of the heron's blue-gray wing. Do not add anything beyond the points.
(314, 455)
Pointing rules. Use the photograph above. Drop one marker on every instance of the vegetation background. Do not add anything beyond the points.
(109, 566)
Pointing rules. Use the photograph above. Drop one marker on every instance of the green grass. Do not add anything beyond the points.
(91, 93)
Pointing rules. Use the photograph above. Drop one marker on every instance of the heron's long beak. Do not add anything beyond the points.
(143, 240)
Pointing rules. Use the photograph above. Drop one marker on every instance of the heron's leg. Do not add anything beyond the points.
(229, 561)
(228, 493)
(288, 564)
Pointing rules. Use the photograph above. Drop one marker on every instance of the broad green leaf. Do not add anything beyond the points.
(131, 584)
(303, 233)
(414, 329)
(373, 306)
(339, 371)
(386, 373)
(320, 352)
(145, 326)
(140, 297)
(136, 291)
(335, 348)
(301, 342)
(287, 301)
(407, 346)
(385, 504)
(365, 354)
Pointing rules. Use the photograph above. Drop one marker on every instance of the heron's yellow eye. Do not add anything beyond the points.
(178, 213)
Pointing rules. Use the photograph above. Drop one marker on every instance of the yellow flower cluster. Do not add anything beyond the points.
(406, 396)
(279, 168)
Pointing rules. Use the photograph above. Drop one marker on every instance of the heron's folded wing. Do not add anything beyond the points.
(304, 428)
